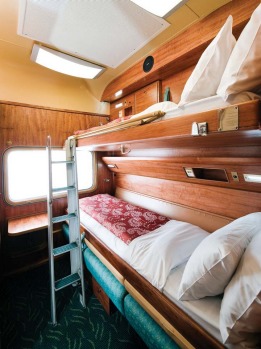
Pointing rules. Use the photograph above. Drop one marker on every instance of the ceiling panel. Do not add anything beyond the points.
(103, 31)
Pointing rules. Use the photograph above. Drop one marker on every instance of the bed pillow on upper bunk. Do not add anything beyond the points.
(212, 264)
(243, 70)
(240, 315)
(207, 74)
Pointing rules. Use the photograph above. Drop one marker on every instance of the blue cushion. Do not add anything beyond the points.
(150, 332)
(111, 286)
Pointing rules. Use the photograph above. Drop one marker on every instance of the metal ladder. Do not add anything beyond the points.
(72, 217)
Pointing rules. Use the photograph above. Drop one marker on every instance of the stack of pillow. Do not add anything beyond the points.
(228, 67)
(229, 261)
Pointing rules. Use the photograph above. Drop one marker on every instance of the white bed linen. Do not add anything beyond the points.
(209, 103)
(214, 102)
(204, 311)
(114, 243)
(153, 255)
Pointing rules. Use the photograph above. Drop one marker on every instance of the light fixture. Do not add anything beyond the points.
(64, 63)
(159, 8)
(252, 178)
(118, 93)
(119, 105)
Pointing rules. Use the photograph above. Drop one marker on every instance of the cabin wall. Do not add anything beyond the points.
(27, 125)
(23, 81)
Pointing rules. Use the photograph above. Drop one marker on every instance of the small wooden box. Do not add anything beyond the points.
(105, 301)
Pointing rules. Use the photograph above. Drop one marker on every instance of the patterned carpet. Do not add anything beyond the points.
(25, 315)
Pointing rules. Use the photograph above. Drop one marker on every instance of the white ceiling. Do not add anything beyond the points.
(106, 32)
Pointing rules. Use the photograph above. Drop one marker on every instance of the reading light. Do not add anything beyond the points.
(64, 63)
(118, 93)
(112, 166)
(159, 8)
(119, 105)
(252, 178)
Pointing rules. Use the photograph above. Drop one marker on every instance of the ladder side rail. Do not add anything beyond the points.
(73, 207)
(50, 232)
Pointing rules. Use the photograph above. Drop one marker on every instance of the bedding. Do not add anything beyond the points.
(124, 220)
(243, 70)
(151, 255)
(207, 315)
(166, 110)
(214, 261)
(206, 76)
(204, 311)
(240, 316)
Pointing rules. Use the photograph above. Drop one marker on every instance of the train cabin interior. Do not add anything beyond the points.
(130, 202)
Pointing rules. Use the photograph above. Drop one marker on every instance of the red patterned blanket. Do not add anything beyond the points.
(124, 220)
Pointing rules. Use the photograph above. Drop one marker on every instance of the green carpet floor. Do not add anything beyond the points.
(25, 316)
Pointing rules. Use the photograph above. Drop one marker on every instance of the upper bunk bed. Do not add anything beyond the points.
(220, 100)
(237, 124)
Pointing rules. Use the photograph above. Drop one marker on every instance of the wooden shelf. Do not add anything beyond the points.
(26, 225)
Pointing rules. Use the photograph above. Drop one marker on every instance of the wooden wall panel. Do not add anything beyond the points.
(173, 169)
(25, 125)
(176, 83)
(30, 125)
(231, 203)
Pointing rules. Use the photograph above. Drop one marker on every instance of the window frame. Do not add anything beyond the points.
(44, 198)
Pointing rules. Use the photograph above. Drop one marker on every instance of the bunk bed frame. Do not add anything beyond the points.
(151, 160)
(235, 151)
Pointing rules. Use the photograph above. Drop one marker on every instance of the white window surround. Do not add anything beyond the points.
(26, 173)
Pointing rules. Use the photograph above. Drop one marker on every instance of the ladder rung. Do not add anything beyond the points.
(65, 248)
(71, 187)
(66, 281)
(63, 162)
(63, 218)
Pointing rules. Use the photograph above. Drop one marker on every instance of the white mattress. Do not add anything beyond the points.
(214, 102)
(204, 311)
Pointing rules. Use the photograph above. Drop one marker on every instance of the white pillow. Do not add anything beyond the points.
(240, 315)
(207, 74)
(212, 264)
(243, 70)
(153, 255)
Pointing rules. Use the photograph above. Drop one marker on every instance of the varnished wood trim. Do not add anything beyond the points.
(51, 108)
(174, 169)
(20, 226)
(231, 202)
(167, 133)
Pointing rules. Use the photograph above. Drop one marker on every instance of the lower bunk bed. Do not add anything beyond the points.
(142, 274)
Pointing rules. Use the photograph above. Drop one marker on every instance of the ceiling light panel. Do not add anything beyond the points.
(64, 63)
(160, 8)
(107, 32)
